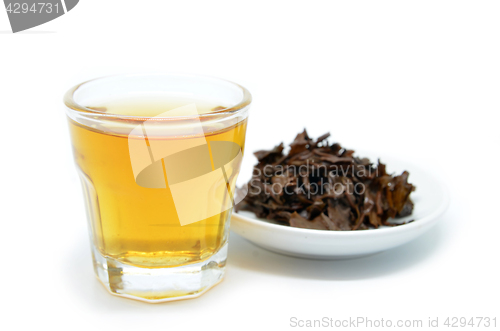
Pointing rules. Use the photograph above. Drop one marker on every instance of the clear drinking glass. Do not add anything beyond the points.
(158, 156)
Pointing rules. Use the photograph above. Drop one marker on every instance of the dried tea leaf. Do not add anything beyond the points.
(325, 187)
(300, 222)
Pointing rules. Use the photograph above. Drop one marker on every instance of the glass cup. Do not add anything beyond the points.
(158, 156)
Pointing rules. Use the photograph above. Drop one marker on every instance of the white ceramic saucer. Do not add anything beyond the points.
(431, 199)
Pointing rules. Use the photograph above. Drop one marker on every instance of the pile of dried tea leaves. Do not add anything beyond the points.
(325, 187)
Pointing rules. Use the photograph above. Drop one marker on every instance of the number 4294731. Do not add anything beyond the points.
(35, 8)
(461, 322)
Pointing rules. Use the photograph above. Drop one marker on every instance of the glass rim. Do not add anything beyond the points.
(73, 106)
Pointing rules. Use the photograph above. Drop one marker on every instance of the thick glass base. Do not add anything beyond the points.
(160, 284)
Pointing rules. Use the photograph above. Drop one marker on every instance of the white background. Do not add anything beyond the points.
(416, 79)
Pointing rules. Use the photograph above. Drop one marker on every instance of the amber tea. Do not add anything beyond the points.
(158, 173)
